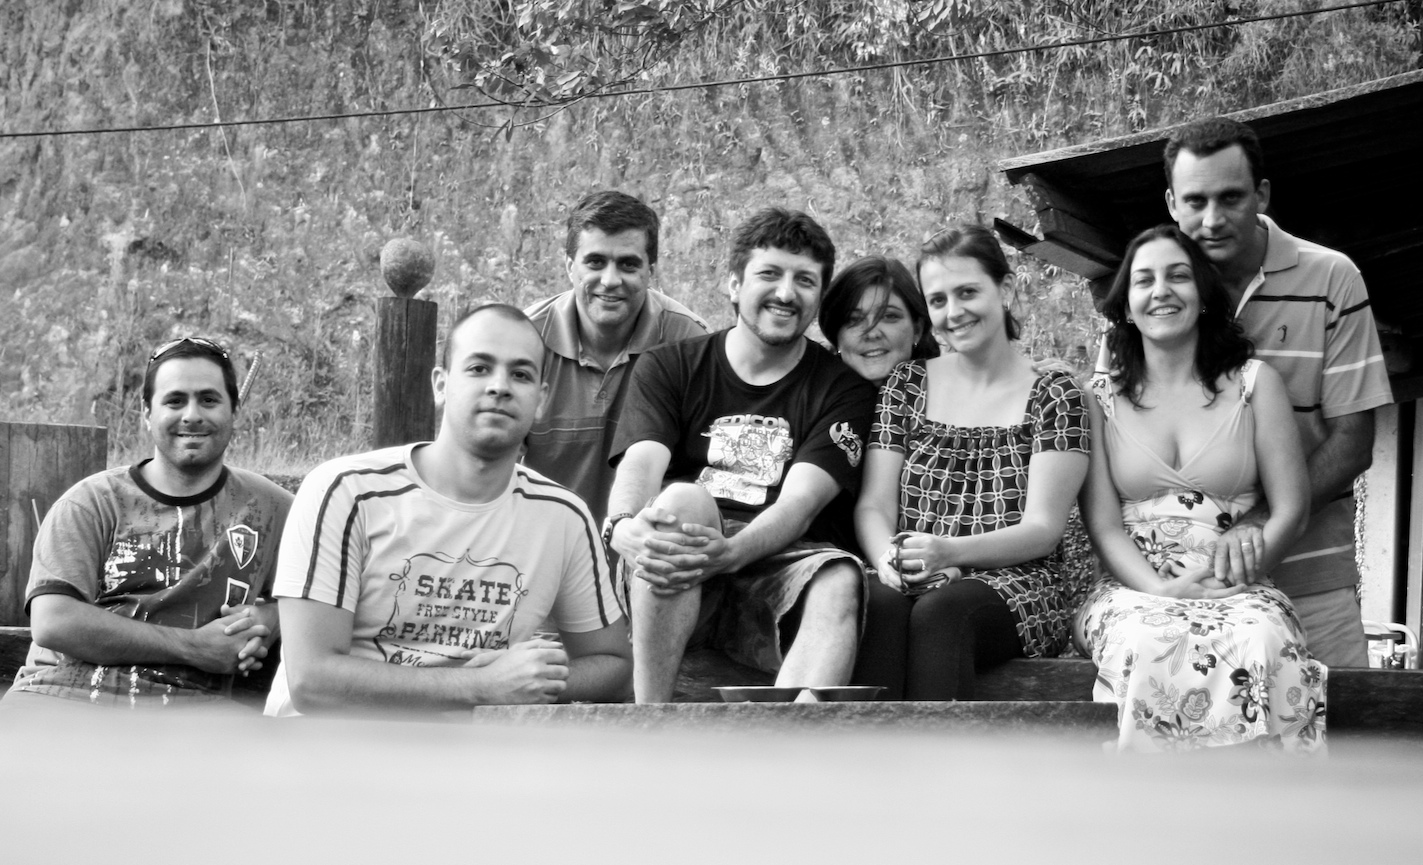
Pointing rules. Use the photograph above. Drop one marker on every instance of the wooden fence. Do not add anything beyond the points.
(38, 462)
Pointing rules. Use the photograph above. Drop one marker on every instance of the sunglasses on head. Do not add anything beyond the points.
(199, 341)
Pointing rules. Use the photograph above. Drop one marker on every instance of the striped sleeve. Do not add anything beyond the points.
(588, 597)
(1354, 378)
(325, 544)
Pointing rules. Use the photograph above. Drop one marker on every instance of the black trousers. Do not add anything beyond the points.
(929, 647)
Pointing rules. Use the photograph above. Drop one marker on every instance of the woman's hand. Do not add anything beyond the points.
(886, 567)
(904, 574)
(1194, 582)
(922, 554)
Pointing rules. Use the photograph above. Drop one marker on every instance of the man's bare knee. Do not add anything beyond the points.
(690, 503)
(836, 587)
(648, 602)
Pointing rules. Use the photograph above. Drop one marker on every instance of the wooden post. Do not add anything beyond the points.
(38, 462)
(404, 409)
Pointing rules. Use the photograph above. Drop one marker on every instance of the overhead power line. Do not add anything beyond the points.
(707, 85)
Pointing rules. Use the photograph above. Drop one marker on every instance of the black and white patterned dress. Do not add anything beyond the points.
(970, 480)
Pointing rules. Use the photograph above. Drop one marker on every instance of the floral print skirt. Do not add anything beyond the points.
(1189, 674)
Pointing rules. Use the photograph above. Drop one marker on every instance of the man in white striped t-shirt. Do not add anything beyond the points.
(419, 577)
(1306, 310)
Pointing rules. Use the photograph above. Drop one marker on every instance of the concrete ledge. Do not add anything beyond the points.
(1020, 694)
(1099, 719)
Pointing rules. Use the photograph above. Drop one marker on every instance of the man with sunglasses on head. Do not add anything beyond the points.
(148, 581)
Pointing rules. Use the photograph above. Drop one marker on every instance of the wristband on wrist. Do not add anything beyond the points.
(612, 523)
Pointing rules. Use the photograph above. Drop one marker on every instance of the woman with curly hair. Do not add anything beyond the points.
(1188, 432)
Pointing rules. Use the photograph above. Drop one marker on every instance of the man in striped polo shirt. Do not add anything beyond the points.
(419, 577)
(595, 331)
(1306, 310)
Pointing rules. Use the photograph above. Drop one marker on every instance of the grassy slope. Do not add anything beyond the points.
(267, 237)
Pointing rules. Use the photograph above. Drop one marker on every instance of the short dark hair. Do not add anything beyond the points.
(611, 212)
(187, 347)
(1212, 135)
(979, 244)
(504, 310)
(778, 228)
(862, 275)
(1222, 345)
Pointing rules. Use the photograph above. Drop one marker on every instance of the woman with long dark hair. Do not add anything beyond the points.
(1188, 432)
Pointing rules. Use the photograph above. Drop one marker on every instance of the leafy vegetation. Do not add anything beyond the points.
(267, 237)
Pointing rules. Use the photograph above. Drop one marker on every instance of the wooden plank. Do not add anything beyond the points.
(1413, 592)
(1361, 699)
(1379, 577)
(18, 522)
(1070, 258)
(41, 462)
(14, 647)
(1097, 223)
(1038, 679)
(1414, 570)
(1063, 226)
(1061, 253)
(1013, 235)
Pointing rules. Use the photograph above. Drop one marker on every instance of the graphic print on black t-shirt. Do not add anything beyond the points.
(445, 604)
(747, 454)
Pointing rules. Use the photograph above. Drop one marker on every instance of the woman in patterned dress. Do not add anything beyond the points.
(1188, 431)
(973, 463)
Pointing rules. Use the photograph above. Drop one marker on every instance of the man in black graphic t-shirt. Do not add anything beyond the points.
(757, 434)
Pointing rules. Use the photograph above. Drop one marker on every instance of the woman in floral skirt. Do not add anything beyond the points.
(1189, 431)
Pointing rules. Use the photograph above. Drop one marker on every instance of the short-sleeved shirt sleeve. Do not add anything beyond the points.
(71, 548)
(1060, 409)
(900, 398)
(325, 544)
(650, 412)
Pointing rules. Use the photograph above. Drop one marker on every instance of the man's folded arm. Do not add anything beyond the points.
(78, 629)
(599, 664)
(323, 676)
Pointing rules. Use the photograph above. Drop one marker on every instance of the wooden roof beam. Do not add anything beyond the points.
(1055, 251)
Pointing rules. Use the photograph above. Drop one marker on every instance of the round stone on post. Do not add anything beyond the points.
(405, 347)
(406, 265)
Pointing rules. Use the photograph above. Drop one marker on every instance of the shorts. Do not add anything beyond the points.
(744, 614)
